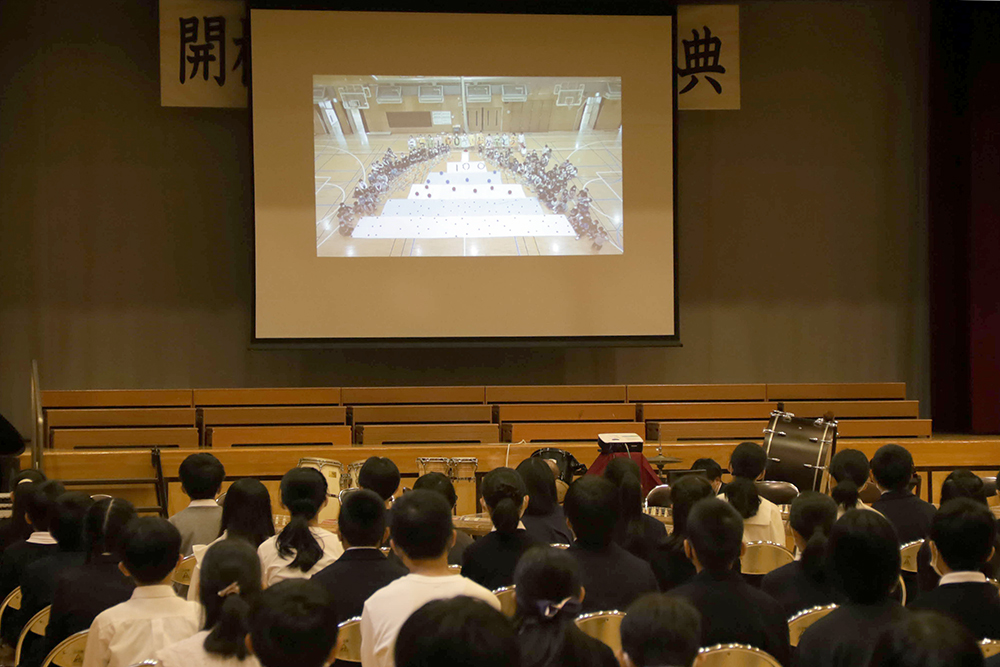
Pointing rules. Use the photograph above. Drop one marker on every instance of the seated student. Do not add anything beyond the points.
(154, 617)
(926, 639)
(422, 533)
(435, 481)
(852, 472)
(962, 539)
(670, 564)
(230, 581)
(201, 479)
(362, 570)
(660, 630)
(637, 532)
(613, 577)
(892, 468)
(491, 560)
(459, 631)
(549, 597)
(732, 611)
(713, 473)
(302, 548)
(291, 626)
(561, 486)
(380, 475)
(762, 518)
(863, 553)
(543, 518)
(16, 527)
(805, 583)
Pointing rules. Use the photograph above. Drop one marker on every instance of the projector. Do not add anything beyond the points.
(614, 443)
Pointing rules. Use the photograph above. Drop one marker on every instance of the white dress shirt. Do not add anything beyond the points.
(764, 526)
(275, 567)
(133, 631)
(198, 551)
(389, 607)
(191, 652)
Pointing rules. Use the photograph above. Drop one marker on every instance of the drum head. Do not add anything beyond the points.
(799, 450)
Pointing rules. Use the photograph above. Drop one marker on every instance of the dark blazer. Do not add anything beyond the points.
(612, 577)
(579, 650)
(491, 559)
(83, 592)
(352, 578)
(549, 528)
(792, 588)
(670, 564)
(974, 605)
(14, 560)
(654, 534)
(38, 581)
(847, 636)
(928, 579)
(732, 611)
(462, 542)
(909, 515)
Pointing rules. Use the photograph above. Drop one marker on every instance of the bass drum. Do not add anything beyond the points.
(567, 463)
(799, 450)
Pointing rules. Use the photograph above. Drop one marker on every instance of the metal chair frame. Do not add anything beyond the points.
(61, 647)
(715, 656)
(508, 602)
(29, 627)
(801, 621)
(346, 648)
(908, 555)
(611, 617)
(782, 549)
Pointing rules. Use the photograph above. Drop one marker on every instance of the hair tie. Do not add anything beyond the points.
(549, 609)
(231, 589)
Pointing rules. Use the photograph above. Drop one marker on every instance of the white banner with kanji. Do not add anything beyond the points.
(708, 57)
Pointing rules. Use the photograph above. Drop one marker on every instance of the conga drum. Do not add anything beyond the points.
(333, 471)
(463, 475)
(799, 450)
(426, 464)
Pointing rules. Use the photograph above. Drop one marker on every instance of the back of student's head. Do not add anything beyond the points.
(715, 531)
(291, 623)
(849, 468)
(713, 470)
(683, 495)
(592, 507)
(742, 495)
(246, 511)
(926, 639)
(19, 487)
(812, 516)
(303, 492)
(421, 525)
(457, 631)
(105, 526)
(748, 460)
(362, 519)
(152, 549)
(963, 483)
(892, 467)
(624, 474)
(661, 630)
(201, 476)
(503, 493)
(230, 582)
(380, 475)
(439, 483)
(540, 483)
(549, 597)
(40, 502)
(964, 531)
(67, 520)
(863, 552)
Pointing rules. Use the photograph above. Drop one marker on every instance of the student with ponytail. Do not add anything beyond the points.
(637, 532)
(490, 560)
(806, 582)
(302, 548)
(762, 520)
(851, 470)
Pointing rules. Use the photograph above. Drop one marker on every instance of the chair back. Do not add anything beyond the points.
(12, 601)
(779, 493)
(182, 575)
(68, 652)
(147, 663)
(508, 603)
(898, 591)
(989, 647)
(908, 555)
(658, 496)
(221, 500)
(762, 557)
(559, 545)
(348, 640)
(36, 626)
(455, 569)
(735, 655)
(604, 626)
(801, 621)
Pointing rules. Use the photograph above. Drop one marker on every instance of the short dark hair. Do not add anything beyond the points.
(201, 476)
(685, 492)
(591, 506)
(439, 483)
(362, 518)
(926, 639)
(863, 552)
(892, 466)
(40, 502)
(421, 525)
(291, 623)
(964, 531)
(812, 516)
(67, 520)
(661, 630)
(457, 631)
(713, 470)
(152, 549)
(106, 526)
(748, 460)
(963, 483)
(540, 482)
(246, 511)
(380, 475)
(715, 530)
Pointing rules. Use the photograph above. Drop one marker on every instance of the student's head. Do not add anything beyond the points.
(303, 493)
(362, 519)
(503, 493)
(713, 472)
(540, 483)
(926, 639)
(811, 517)
(230, 581)
(380, 475)
(152, 550)
(457, 631)
(439, 483)
(421, 526)
(592, 507)
(660, 630)
(201, 476)
(291, 623)
(105, 526)
(742, 495)
(863, 552)
(748, 460)
(543, 579)
(892, 467)
(67, 520)
(246, 512)
(40, 502)
(963, 483)
(714, 534)
(963, 532)
(624, 474)
(683, 495)
(849, 468)
(19, 484)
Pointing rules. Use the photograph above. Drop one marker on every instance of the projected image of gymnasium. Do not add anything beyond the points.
(467, 166)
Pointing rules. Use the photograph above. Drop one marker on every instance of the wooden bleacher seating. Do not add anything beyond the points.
(103, 438)
(382, 434)
(602, 393)
(568, 431)
(249, 436)
(263, 396)
(836, 391)
(655, 393)
(411, 395)
(420, 414)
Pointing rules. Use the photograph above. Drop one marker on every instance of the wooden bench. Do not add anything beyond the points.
(286, 415)
(563, 412)
(602, 393)
(666, 431)
(103, 438)
(118, 398)
(836, 391)
(568, 431)
(378, 434)
(420, 414)
(411, 395)
(115, 408)
(267, 396)
(59, 419)
(657, 393)
(247, 436)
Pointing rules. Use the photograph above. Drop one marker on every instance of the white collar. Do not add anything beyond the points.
(357, 548)
(204, 502)
(520, 526)
(963, 577)
(154, 591)
(41, 537)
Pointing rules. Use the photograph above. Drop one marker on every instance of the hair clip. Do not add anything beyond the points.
(231, 589)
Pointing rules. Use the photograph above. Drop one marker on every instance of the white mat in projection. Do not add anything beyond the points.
(459, 227)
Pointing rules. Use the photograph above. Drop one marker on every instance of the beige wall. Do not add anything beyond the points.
(125, 228)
